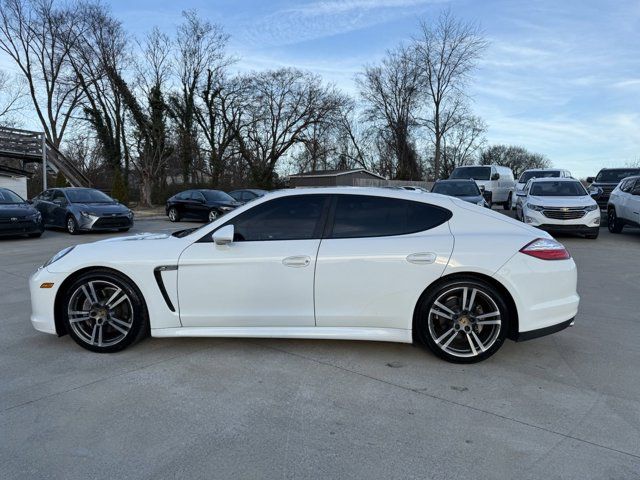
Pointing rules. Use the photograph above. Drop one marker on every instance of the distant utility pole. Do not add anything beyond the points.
(44, 162)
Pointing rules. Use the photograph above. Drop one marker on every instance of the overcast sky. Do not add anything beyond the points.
(560, 77)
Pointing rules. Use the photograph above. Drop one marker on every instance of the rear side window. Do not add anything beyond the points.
(287, 218)
(368, 216)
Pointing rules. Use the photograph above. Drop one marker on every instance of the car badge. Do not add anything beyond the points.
(14, 219)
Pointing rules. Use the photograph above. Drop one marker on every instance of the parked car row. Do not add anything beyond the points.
(206, 204)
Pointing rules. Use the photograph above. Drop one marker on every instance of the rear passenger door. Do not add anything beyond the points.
(377, 257)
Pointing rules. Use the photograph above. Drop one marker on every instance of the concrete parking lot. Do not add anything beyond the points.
(563, 406)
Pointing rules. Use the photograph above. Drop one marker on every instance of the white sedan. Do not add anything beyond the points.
(335, 263)
(558, 205)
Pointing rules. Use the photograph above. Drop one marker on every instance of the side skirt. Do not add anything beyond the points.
(329, 333)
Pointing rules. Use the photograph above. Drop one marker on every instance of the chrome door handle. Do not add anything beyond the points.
(297, 261)
(422, 258)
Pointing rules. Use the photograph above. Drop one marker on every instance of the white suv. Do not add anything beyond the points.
(558, 205)
(624, 205)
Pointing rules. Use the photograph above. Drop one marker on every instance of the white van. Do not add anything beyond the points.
(497, 181)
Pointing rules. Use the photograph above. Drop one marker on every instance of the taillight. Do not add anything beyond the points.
(546, 249)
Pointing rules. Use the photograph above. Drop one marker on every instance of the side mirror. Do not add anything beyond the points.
(224, 235)
(495, 176)
(590, 179)
(481, 188)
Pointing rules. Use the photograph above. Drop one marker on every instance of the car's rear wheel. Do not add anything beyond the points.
(508, 205)
(72, 225)
(614, 224)
(463, 320)
(174, 216)
(104, 312)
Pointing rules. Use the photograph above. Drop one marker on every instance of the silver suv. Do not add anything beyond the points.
(623, 207)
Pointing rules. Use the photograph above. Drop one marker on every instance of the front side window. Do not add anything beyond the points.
(368, 216)
(197, 196)
(286, 218)
(59, 196)
(217, 196)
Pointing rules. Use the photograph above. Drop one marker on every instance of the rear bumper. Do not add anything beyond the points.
(541, 332)
(544, 293)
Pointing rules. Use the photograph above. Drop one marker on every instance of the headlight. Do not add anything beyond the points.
(130, 214)
(88, 214)
(36, 216)
(58, 256)
(537, 208)
(226, 209)
(591, 208)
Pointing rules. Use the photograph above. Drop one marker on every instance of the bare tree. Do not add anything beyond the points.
(200, 53)
(517, 158)
(446, 53)
(277, 109)
(461, 144)
(390, 92)
(31, 34)
(148, 115)
(11, 96)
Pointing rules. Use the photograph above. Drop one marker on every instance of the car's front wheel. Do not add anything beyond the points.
(104, 312)
(464, 320)
(614, 224)
(508, 205)
(72, 225)
(213, 215)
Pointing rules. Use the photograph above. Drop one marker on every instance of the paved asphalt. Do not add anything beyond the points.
(565, 406)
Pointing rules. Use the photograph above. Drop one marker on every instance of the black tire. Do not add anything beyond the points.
(132, 325)
(434, 334)
(124, 229)
(593, 234)
(173, 214)
(614, 224)
(71, 225)
(507, 205)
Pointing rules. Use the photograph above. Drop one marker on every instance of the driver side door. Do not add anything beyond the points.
(265, 277)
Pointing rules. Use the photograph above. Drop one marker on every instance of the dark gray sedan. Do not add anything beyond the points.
(82, 209)
(466, 190)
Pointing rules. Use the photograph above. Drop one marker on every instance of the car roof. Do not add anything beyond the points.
(443, 180)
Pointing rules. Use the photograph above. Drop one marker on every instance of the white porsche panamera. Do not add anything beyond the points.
(332, 263)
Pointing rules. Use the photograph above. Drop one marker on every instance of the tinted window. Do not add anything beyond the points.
(526, 176)
(58, 195)
(614, 176)
(457, 189)
(558, 189)
(365, 216)
(88, 195)
(217, 196)
(287, 218)
(626, 185)
(184, 195)
(477, 173)
(195, 195)
(46, 195)
(236, 195)
(7, 196)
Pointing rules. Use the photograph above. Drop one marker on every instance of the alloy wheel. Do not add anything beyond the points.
(173, 215)
(100, 313)
(71, 225)
(213, 215)
(464, 321)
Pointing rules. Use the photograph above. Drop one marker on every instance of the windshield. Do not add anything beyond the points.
(614, 176)
(526, 176)
(7, 196)
(557, 189)
(88, 195)
(457, 189)
(477, 173)
(217, 196)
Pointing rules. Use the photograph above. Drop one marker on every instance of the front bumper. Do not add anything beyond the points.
(105, 223)
(587, 223)
(43, 299)
(20, 227)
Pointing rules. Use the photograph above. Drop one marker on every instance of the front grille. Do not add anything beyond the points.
(8, 219)
(607, 189)
(112, 222)
(19, 226)
(563, 213)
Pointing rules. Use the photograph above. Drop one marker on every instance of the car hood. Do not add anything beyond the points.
(16, 210)
(137, 237)
(582, 201)
(101, 208)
